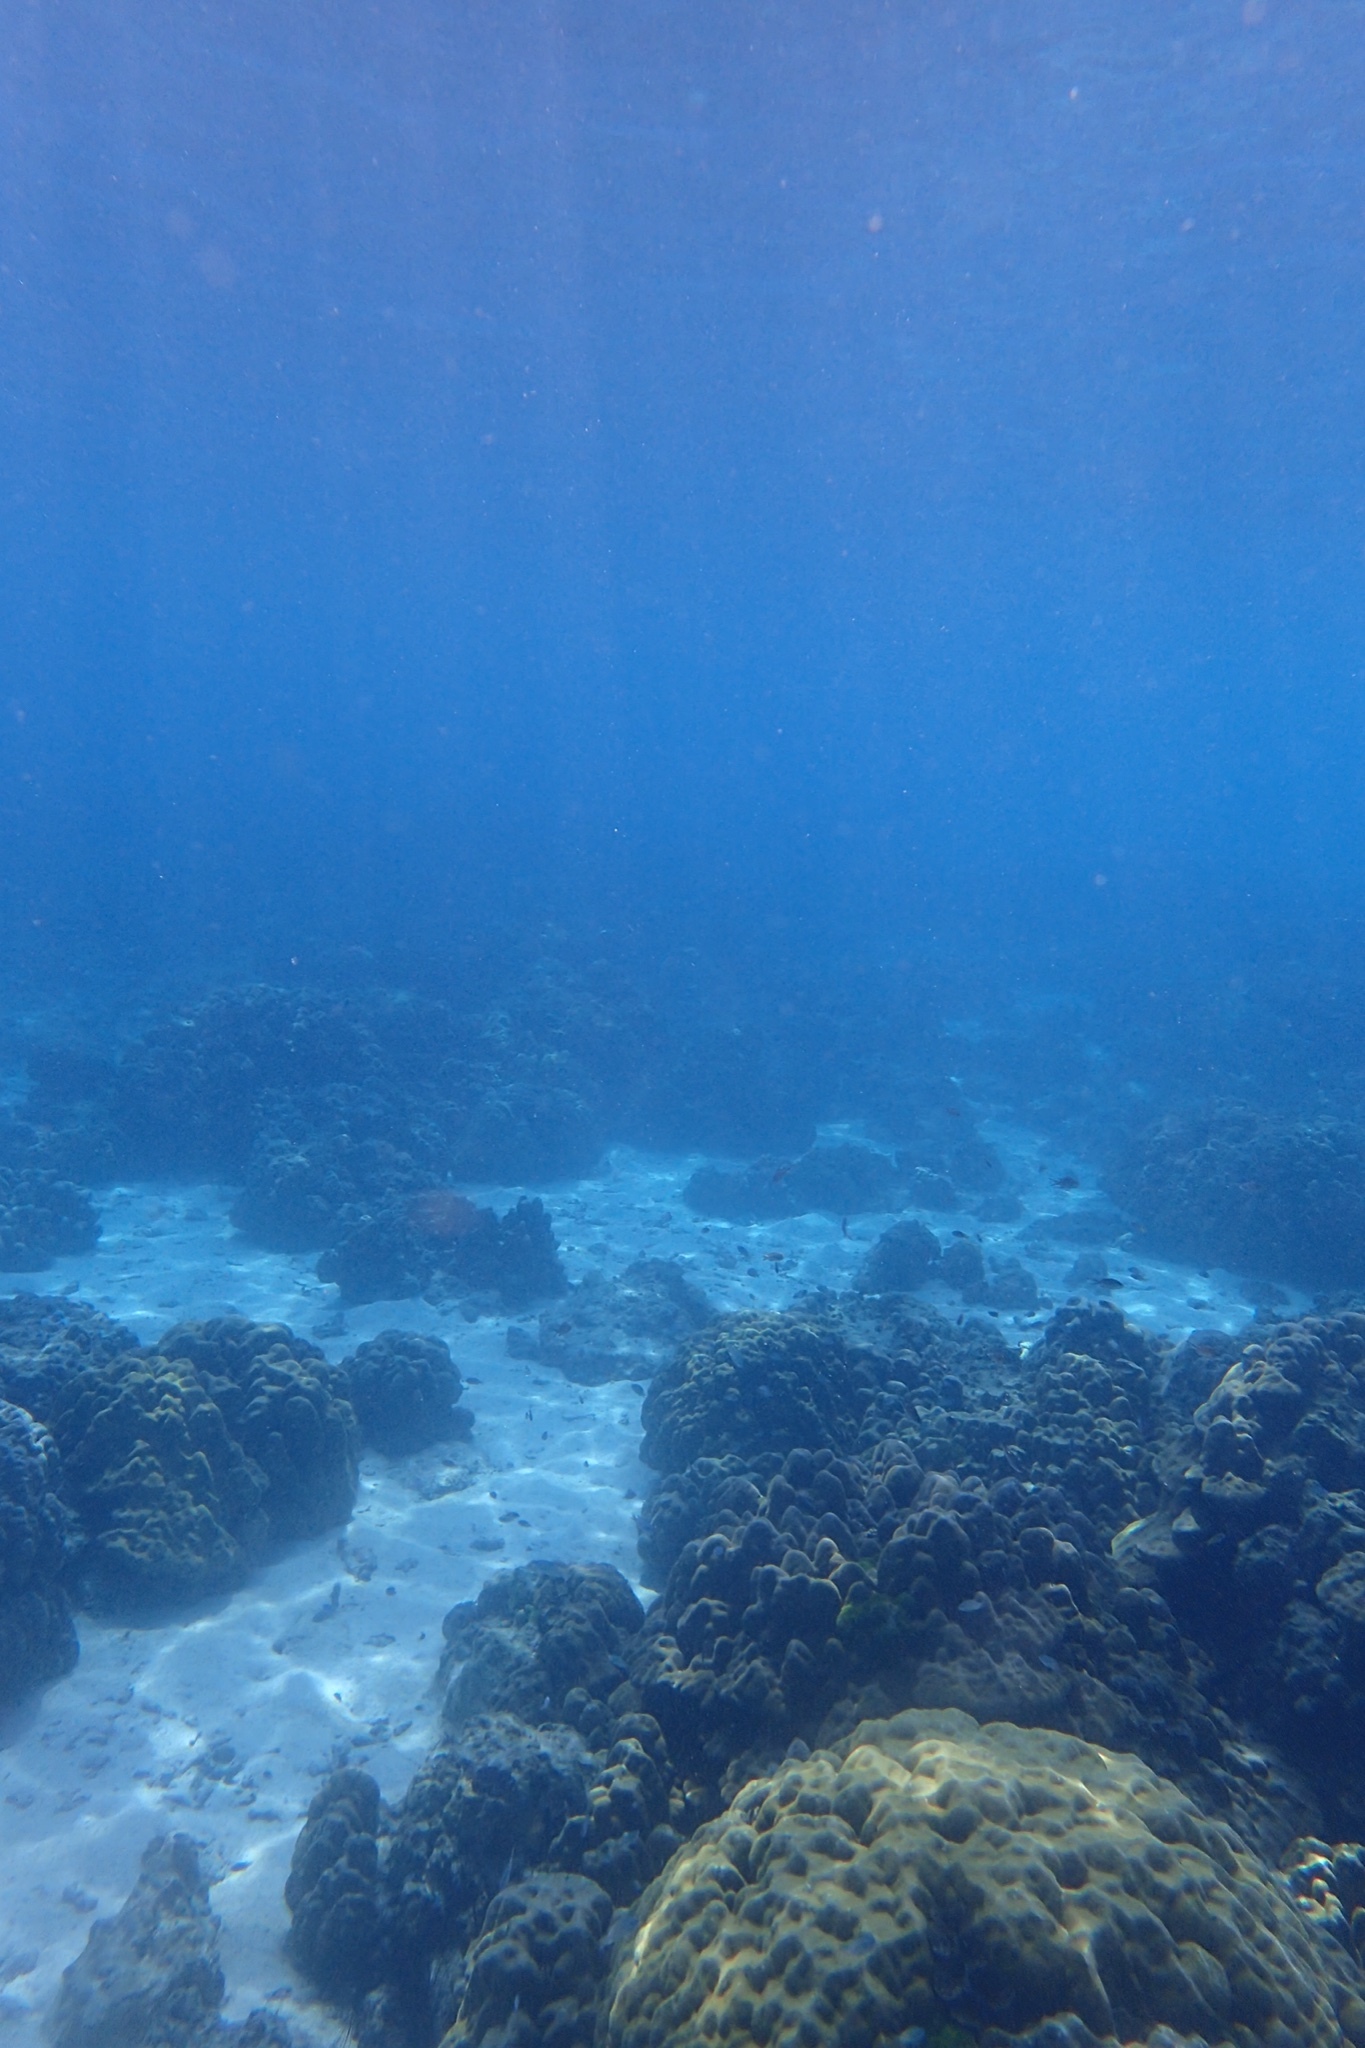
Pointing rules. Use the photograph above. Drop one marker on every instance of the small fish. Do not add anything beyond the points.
(1066, 1180)
(783, 1171)
(1125, 1538)
(774, 1258)
(1108, 1283)
(953, 1112)
(1137, 1273)
(843, 1225)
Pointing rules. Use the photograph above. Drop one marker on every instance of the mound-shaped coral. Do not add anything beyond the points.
(535, 1634)
(1260, 1546)
(37, 1639)
(534, 1972)
(288, 1410)
(326, 1099)
(958, 1557)
(626, 1832)
(169, 1506)
(1328, 1880)
(931, 1872)
(384, 1902)
(300, 1183)
(438, 1244)
(901, 1260)
(1270, 1195)
(45, 1340)
(42, 1217)
(185, 1463)
(404, 1388)
(376, 1894)
(187, 1096)
(757, 1382)
(621, 1329)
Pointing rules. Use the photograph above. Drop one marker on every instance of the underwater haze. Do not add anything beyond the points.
(732, 470)
(682, 1024)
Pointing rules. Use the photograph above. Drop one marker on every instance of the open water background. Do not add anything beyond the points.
(862, 498)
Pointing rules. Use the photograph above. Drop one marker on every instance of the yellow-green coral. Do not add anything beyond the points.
(932, 1870)
(168, 1502)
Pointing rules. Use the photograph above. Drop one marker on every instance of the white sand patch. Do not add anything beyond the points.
(224, 1723)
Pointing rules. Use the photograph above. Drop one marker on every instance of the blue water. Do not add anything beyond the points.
(868, 495)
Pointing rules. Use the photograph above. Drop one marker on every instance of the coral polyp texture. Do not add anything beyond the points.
(37, 1635)
(187, 1463)
(982, 1882)
(754, 1381)
(404, 1389)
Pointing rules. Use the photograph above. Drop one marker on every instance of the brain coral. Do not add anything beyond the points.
(934, 1873)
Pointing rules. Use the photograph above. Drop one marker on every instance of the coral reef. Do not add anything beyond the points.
(548, 1764)
(317, 1162)
(170, 1509)
(187, 1097)
(925, 1522)
(288, 1410)
(1260, 1546)
(950, 1546)
(933, 1873)
(535, 1971)
(185, 1464)
(500, 1263)
(376, 1895)
(404, 1389)
(755, 1381)
(532, 1635)
(150, 1977)
(1328, 1882)
(901, 1260)
(320, 1099)
(841, 1180)
(1265, 1194)
(1005, 1284)
(45, 1339)
(42, 1217)
(37, 1636)
(621, 1329)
